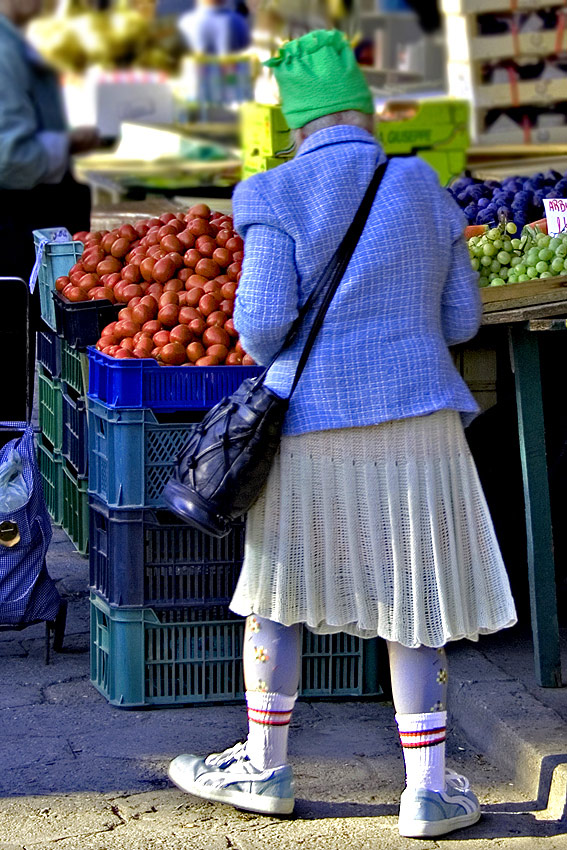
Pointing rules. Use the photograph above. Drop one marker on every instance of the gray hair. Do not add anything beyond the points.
(348, 116)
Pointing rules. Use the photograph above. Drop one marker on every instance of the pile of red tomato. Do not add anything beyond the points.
(177, 277)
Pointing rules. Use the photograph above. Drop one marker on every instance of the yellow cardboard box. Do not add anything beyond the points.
(264, 131)
(254, 164)
(411, 126)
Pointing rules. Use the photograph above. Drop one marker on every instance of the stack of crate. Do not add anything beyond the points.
(62, 376)
(507, 57)
(161, 629)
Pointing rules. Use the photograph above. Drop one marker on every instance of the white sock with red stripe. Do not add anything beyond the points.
(423, 743)
(268, 726)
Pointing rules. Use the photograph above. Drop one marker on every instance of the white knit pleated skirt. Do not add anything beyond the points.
(380, 530)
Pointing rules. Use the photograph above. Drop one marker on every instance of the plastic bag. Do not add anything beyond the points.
(13, 488)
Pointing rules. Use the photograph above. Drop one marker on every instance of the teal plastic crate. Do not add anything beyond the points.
(75, 509)
(144, 657)
(74, 368)
(50, 408)
(50, 465)
(56, 260)
(131, 454)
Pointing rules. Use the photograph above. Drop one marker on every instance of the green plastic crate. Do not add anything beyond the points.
(50, 408)
(75, 512)
(145, 656)
(74, 368)
(51, 468)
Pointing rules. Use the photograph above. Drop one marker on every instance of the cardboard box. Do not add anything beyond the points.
(254, 164)
(448, 164)
(438, 123)
(107, 98)
(464, 45)
(479, 7)
(464, 83)
(264, 131)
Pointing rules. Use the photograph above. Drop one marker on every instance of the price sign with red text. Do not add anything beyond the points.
(556, 215)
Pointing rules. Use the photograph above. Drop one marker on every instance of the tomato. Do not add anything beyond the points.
(131, 273)
(151, 302)
(200, 227)
(125, 328)
(195, 280)
(248, 361)
(128, 344)
(147, 268)
(230, 329)
(168, 298)
(223, 257)
(208, 361)
(186, 238)
(122, 354)
(229, 289)
(195, 351)
(218, 350)
(207, 268)
(173, 285)
(235, 243)
(206, 246)
(108, 266)
(152, 326)
(74, 293)
(169, 315)
(198, 326)
(216, 319)
(161, 338)
(142, 313)
(132, 290)
(61, 283)
(125, 315)
(173, 354)
(187, 314)
(216, 336)
(100, 292)
(193, 297)
(182, 334)
(233, 270)
(222, 237)
(171, 243)
(191, 258)
(120, 247)
(227, 306)
(207, 303)
(233, 358)
(201, 210)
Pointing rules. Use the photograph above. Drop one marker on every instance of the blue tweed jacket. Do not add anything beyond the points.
(409, 291)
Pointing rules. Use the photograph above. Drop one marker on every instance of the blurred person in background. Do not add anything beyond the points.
(216, 28)
(37, 188)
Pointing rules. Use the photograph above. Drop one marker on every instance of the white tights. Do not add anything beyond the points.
(272, 658)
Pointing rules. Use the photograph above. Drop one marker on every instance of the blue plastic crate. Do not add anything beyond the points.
(57, 259)
(74, 444)
(150, 557)
(131, 454)
(49, 354)
(144, 383)
(154, 656)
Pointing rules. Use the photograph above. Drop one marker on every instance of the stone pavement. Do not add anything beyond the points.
(79, 773)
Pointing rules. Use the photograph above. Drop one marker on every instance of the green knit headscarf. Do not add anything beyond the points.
(317, 74)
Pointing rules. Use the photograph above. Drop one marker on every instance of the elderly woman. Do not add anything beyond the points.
(373, 521)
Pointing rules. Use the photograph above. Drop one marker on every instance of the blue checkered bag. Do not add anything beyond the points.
(27, 593)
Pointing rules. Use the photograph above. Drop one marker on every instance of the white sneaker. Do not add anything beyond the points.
(230, 777)
(425, 813)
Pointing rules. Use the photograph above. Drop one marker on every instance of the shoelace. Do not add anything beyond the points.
(457, 781)
(238, 751)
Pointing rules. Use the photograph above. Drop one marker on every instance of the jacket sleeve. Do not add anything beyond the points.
(24, 160)
(267, 296)
(461, 305)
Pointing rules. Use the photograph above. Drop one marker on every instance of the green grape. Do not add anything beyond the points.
(483, 281)
(531, 272)
(498, 282)
(546, 254)
(561, 251)
(475, 263)
(554, 243)
(507, 246)
(544, 275)
(515, 243)
(511, 227)
(485, 261)
(512, 278)
(498, 244)
(489, 250)
(519, 267)
(503, 257)
(543, 240)
(493, 234)
(541, 267)
(557, 264)
(472, 241)
(495, 267)
(504, 273)
(532, 256)
(523, 277)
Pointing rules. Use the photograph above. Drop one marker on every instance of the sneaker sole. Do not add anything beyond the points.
(259, 803)
(431, 828)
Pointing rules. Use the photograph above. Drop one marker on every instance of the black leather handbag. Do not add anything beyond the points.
(226, 462)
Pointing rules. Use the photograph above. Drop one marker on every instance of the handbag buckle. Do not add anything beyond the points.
(9, 534)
